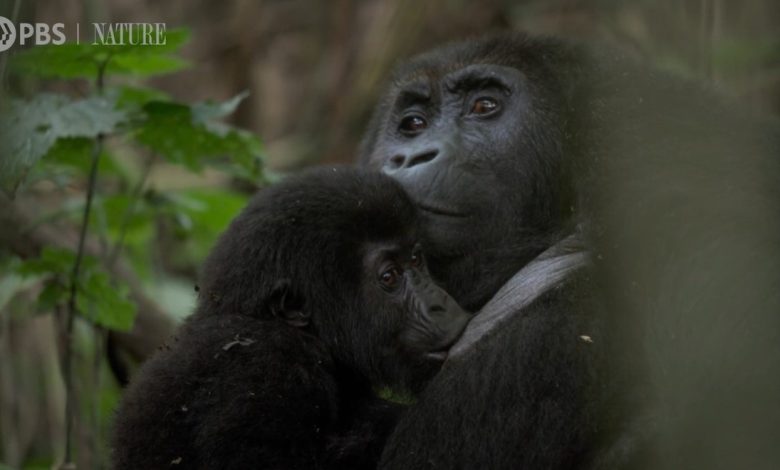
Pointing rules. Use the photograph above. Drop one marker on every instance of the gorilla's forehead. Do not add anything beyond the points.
(515, 50)
(501, 49)
(460, 77)
(426, 71)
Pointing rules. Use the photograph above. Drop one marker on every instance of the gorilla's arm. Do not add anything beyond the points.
(478, 411)
(361, 444)
(549, 270)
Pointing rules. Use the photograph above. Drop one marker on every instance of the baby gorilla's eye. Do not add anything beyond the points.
(417, 259)
(390, 278)
(412, 124)
(484, 106)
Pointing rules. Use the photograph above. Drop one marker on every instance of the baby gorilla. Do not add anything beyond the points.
(315, 294)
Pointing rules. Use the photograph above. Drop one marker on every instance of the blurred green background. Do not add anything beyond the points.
(244, 92)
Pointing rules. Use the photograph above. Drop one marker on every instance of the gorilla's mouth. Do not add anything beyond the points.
(441, 352)
(437, 353)
(439, 209)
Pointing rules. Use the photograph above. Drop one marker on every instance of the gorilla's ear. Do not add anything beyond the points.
(285, 304)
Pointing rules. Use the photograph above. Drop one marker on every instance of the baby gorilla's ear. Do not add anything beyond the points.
(287, 305)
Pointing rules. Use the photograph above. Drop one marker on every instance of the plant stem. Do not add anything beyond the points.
(127, 216)
(4, 57)
(71, 306)
(97, 149)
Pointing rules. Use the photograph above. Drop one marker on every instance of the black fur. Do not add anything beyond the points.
(275, 368)
(657, 353)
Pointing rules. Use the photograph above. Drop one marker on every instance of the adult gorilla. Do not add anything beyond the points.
(661, 351)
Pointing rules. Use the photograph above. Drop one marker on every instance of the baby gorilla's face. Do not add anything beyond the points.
(399, 280)
(335, 254)
(405, 322)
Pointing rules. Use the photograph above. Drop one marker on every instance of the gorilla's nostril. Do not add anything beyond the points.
(397, 161)
(422, 158)
(436, 309)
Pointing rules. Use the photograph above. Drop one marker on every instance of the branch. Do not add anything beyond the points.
(70, 311)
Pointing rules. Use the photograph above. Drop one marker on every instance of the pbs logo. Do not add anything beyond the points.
(7, 34)
(37, 33)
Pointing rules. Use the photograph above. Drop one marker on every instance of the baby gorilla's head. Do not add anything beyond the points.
(335, 253)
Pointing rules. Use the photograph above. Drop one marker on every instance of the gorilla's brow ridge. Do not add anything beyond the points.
(413, 93)
(474, 81)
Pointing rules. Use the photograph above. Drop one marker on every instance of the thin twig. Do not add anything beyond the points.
(4, 57)
(71, 305)
(97, 149)
(127, 216)
(101, 335)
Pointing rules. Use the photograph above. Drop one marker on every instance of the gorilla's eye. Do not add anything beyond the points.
(390, 278)
(484, 106)
(412, 124)
(417, 259)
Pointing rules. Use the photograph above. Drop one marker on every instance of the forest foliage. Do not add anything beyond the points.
(87, 128)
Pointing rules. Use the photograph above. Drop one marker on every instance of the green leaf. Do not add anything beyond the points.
(12, 284)
(53, 265)
(72, 151)
(117, 217)
(135, 97)
(168, 129)
(84, 60)
(209, 213)
(189, 136)
(105, 304)
(97, 300)
(51, 261)
(53, 293)
(29, 129)
(67, 60)
(146, 65)
(213, 210)
(205, 113)
(76, 153)
(246, 153)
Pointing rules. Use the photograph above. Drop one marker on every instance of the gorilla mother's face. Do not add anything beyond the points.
(444, 137)
(477, 146)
